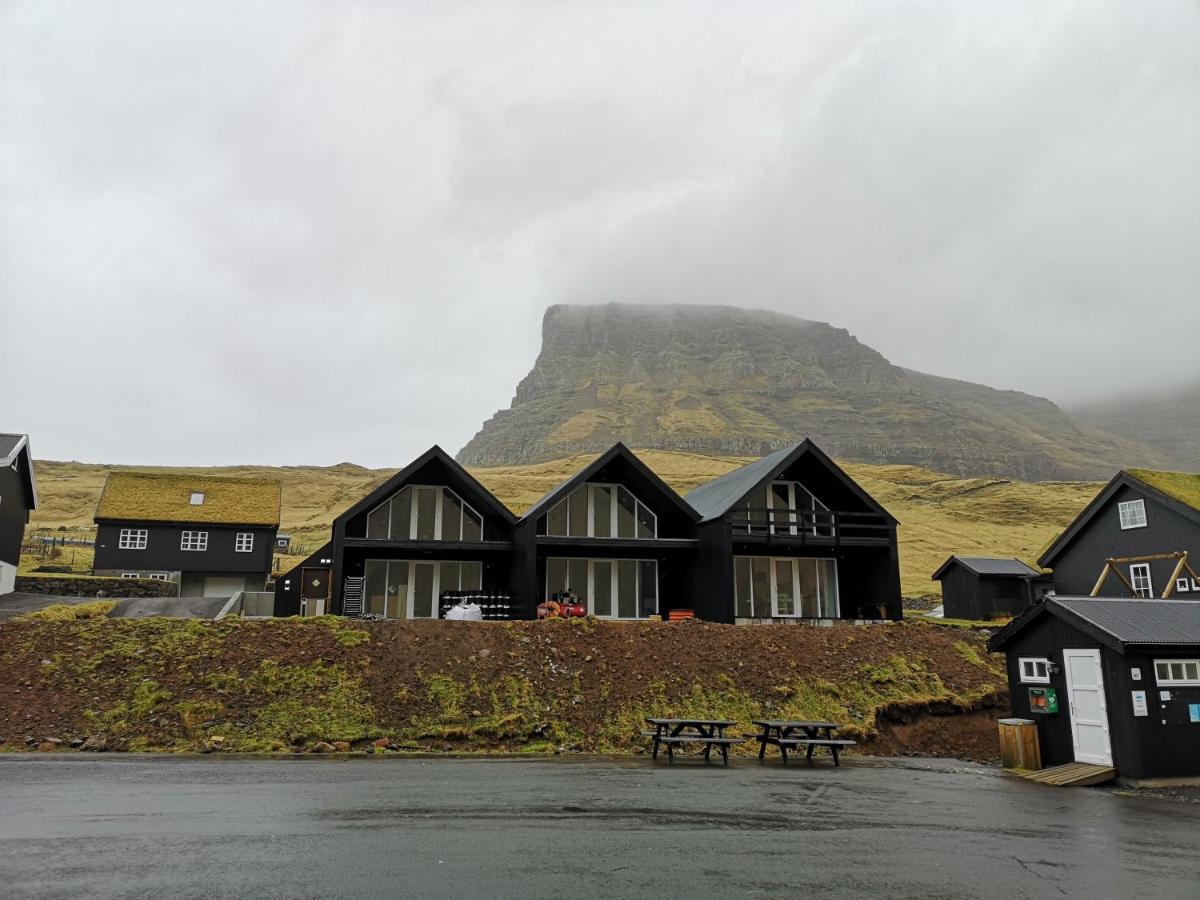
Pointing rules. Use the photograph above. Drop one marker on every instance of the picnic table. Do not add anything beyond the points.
(810, 735)
(710, 732)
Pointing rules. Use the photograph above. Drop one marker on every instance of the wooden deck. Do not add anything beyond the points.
(1072, 775)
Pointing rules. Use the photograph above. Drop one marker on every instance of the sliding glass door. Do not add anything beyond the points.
(611, 588)
(410, 589)
(785, 587)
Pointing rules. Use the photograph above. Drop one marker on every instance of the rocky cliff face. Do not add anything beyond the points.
(733, 381)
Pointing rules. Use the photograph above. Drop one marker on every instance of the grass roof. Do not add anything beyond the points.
(154, 497)
(1181, 486)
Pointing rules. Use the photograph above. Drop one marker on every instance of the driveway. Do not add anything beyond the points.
(16, 604)
(214, 827)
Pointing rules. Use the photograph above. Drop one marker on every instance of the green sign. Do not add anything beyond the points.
(1043, 700)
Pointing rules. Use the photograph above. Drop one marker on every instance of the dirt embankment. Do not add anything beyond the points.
(150, 684)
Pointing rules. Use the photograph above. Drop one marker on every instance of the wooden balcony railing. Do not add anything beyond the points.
(818, 525)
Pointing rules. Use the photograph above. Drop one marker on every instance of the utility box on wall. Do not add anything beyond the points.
(1043, 700)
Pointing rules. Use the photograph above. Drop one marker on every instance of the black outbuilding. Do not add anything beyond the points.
(988, 587)
(1110, 682)
(18, 498)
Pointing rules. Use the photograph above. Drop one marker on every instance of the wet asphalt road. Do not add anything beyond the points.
(130, 826)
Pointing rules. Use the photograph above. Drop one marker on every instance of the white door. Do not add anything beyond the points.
(1089, 712)
(223, 585)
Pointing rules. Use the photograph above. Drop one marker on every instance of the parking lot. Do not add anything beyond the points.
(139, 826)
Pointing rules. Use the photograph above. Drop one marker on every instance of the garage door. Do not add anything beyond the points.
(223, 585)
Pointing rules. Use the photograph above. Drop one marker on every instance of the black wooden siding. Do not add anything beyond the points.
(14, 513)
(1079, 564)
(162, 551)
(1142, 747)
(968, 595)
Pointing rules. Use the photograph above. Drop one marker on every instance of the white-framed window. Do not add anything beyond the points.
(1034, 670)
(1183, 585)
(1139, 577)
(133, 575)
(785, 587)
(158, 576)
(193, 540)
(197, 498)
(787, 507)
(610, 588)
(244, 542)
(600, 511)
(1132, 513)
(420, 512)
(1196, 584)
(132, 539)
(412, 589)
(1177, 671)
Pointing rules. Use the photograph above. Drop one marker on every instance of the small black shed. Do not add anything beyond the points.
(987, 587)
(1110, 682)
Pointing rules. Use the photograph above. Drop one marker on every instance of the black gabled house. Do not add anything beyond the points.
(988, 587)
(790, 537)
(18, 498)
(616, 535)
(428, 529)
(1140, 513)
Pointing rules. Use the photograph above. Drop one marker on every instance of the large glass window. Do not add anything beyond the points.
(424, 513)
(787, 507)
(601, 511)
(620, 588)
(410, 589)
(768, 587)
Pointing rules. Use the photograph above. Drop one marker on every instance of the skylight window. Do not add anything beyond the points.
(197, 498)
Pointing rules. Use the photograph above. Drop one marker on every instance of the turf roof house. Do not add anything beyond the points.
(1139, 513)
(792, 536)
(213, 536)
(18, 497)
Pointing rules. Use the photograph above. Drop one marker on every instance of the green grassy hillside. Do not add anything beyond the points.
(939, 514)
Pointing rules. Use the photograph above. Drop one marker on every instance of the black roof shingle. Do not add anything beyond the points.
(1118, 623)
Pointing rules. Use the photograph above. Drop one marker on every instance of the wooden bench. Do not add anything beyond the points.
(709, 732)
(833, 744)
(810, 735)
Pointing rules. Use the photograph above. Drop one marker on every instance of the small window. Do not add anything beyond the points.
(157, 576)
(1139, 577)
(133, 575)
(1183, 585)
(1177, 671)
(1133, 514)
(193, 540)
(132, 539)
(197, 498)
(244, 542)
(1035, 671)
(1196, 584)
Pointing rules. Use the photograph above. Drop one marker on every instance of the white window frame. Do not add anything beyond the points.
(1184, 680)
(133, 538)
(159, 576)
(797, 600)
(437, 514)
(613, 505)
(1139, 572)
(613, 580)
(1132, 514)
(196, 498)
(132, 576)
(193, 541)
(1183, 585)
(1196, 584)
(243, 542)
(1027, 666)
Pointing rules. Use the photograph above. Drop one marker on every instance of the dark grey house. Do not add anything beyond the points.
(1140, 513)
(791, 537)
(18, 498)
(1109, 682)
(212, 536)
(988, 587)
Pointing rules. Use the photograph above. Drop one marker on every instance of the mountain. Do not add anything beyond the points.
(715, 379)
(1168, 422)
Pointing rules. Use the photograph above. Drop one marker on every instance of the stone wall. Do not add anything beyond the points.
(88, 587)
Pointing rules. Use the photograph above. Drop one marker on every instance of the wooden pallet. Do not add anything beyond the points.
(1072, 774)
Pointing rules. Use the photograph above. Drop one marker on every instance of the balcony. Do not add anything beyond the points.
(819, 527)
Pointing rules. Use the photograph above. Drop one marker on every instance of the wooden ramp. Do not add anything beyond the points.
(1072, 774)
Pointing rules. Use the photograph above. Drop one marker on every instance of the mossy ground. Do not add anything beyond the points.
(521, 687)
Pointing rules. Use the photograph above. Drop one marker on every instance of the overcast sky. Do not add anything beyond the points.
(307, 233)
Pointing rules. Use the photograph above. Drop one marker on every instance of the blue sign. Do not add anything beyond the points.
(1194, 712)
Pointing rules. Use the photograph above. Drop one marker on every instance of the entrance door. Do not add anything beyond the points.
(1089, 712)
(424, 604)
(314, 591)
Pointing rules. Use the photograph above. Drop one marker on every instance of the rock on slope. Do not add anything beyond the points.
(726, 380)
